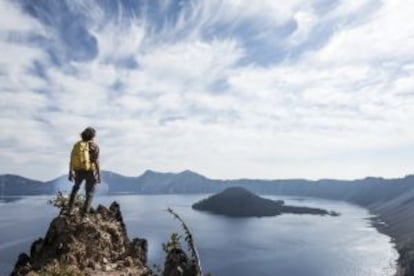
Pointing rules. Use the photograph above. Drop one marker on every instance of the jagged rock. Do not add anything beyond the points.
(96, 244)
(23, 262)
(138, 248)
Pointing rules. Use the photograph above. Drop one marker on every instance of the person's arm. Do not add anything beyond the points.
(71, 172)
(95, 160)
(98, 171)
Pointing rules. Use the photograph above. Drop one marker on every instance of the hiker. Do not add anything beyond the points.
(84, 165)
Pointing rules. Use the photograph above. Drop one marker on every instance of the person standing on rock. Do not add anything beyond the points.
(84, 165)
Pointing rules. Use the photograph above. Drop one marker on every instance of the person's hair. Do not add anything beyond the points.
(88, 134)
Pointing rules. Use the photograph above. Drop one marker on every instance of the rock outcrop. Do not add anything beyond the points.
(96, 244)
(239, 202)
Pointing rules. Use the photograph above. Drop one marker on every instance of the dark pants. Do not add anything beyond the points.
(90, 182)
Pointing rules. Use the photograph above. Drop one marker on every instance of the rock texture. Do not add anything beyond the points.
(96, 244)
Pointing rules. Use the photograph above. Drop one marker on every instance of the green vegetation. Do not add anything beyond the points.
(61, 202)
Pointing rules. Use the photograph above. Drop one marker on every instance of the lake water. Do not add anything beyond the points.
(283, 245)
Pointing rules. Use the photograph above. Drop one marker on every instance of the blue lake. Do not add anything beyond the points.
(283, 245)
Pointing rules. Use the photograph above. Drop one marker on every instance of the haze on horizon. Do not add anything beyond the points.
(226, 88)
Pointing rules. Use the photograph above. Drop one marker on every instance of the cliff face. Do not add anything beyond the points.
(405, 260)
(97, 244)
(397, 217)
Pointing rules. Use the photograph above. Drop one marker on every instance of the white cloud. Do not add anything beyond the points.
(306, 22)
(119, 42)
(174, 99)
(192, 65)
(12, 19)
(386, 37)
(274, 12)
(16, 61)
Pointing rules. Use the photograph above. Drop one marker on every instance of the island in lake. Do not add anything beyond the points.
(239, 202)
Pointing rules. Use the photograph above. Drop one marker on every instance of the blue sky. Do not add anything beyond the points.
(230, 89)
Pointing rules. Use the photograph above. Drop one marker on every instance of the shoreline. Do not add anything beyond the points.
(380, 225)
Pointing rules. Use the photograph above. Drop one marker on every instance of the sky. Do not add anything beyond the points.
(226, 88)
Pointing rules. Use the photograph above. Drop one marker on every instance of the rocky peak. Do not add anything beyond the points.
(96, 244)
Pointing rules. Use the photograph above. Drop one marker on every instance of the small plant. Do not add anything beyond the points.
(188, 239)
(61, 201)
(173, 243)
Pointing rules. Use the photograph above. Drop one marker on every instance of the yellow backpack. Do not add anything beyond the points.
(80, 157)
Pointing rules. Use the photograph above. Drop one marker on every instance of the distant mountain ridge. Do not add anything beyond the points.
(15, 185)
(367, 191)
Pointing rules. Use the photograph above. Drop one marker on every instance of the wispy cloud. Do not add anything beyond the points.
(227, 88)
